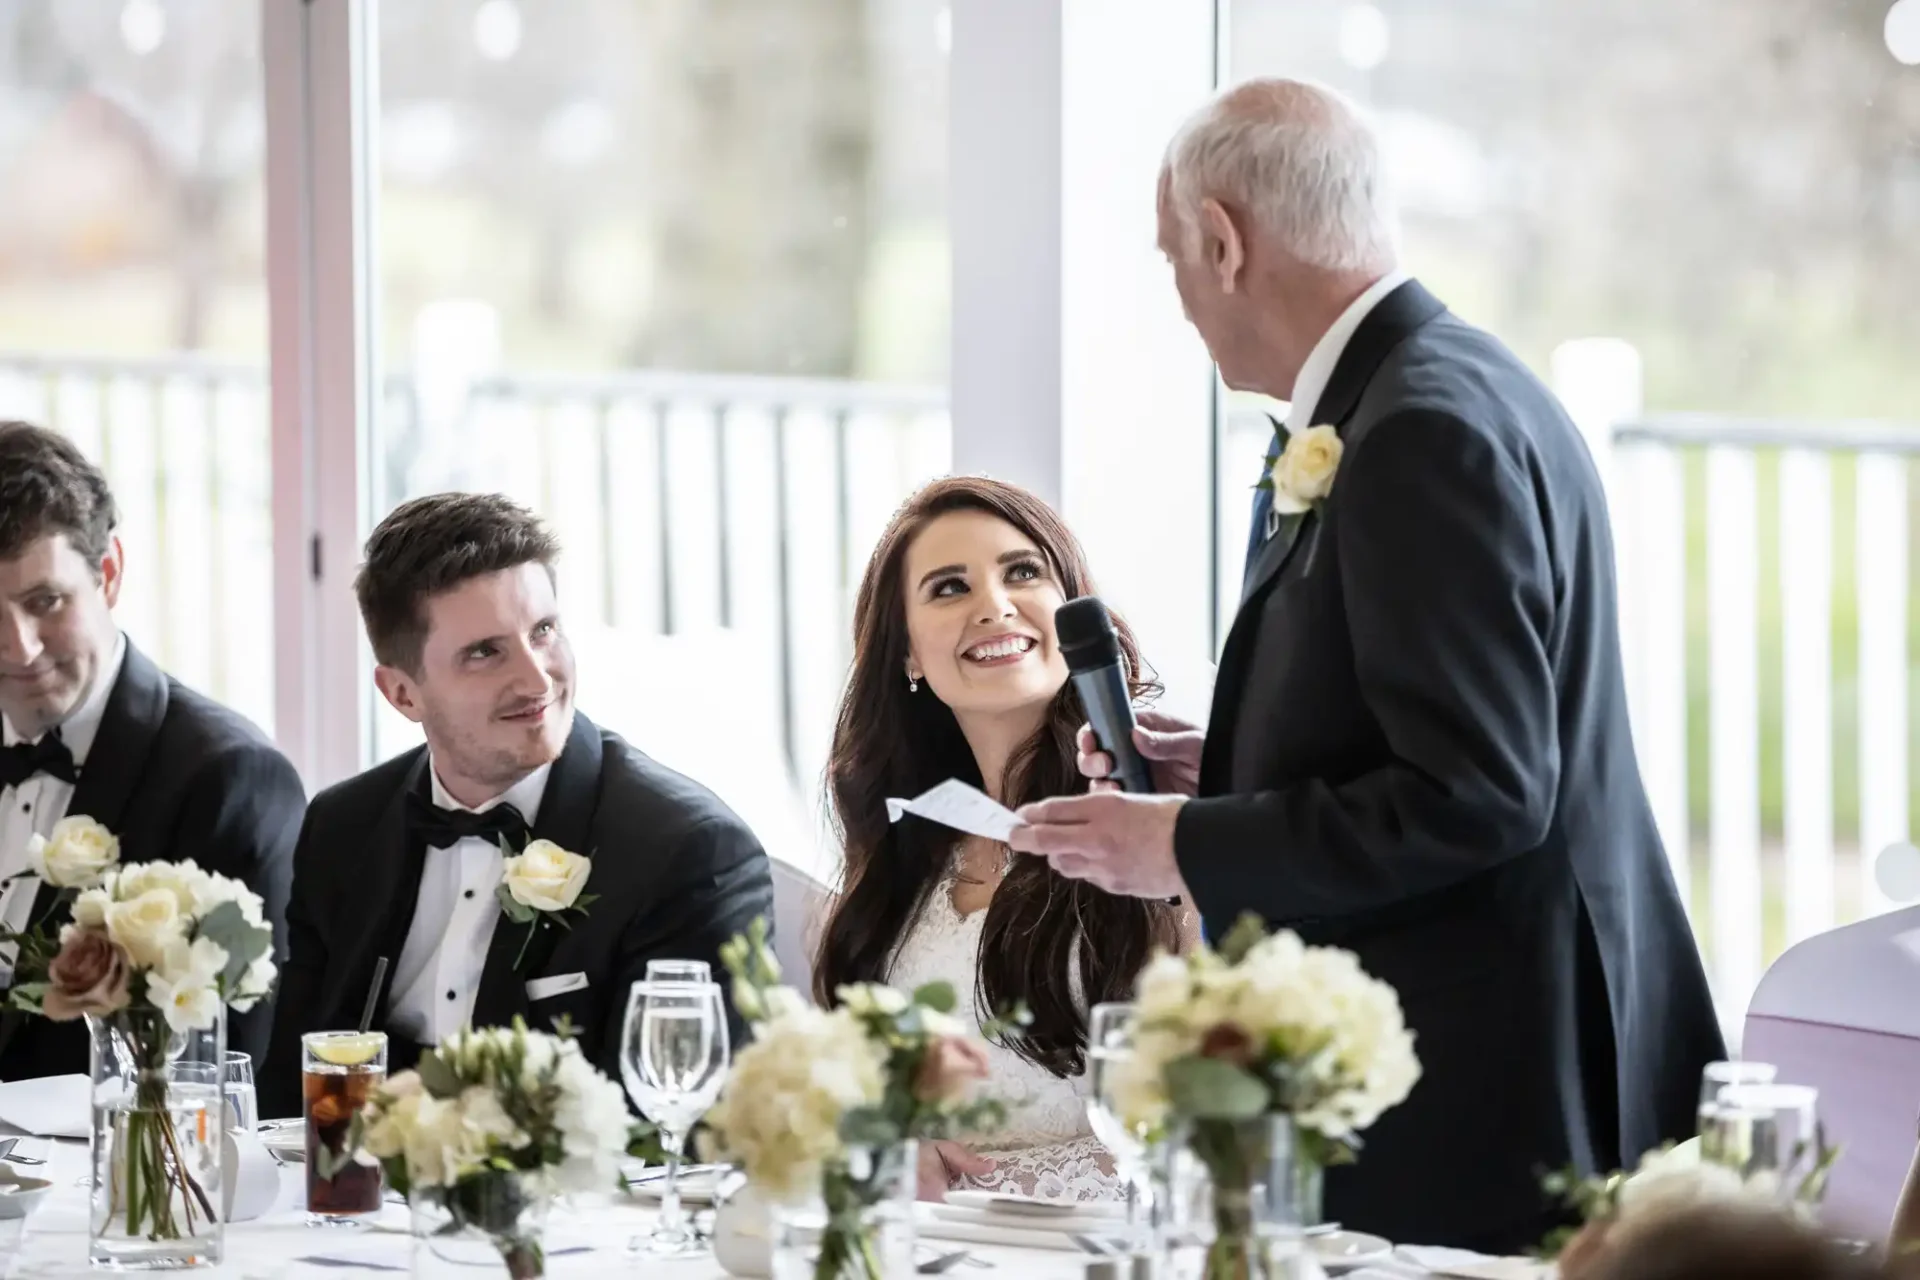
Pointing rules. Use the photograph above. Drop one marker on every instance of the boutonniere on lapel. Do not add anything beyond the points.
(79, 855)
(1302, 476)
(542, 883)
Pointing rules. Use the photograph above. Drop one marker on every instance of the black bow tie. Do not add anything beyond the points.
(441, 828)
(49, 755)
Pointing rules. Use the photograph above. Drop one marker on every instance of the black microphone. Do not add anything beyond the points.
(1091, 647)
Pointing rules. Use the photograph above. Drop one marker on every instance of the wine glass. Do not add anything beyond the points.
(1109, 1048)
(674, 1055)
(679, 971)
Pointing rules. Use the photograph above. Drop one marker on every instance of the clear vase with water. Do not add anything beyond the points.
(159, 1106)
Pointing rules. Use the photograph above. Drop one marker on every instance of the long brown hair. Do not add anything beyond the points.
(890, 741)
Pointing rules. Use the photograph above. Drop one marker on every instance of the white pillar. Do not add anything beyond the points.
(1074, 372)
(320, 91)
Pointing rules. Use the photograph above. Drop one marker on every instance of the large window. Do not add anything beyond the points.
(133, 304)
(1723, 191)
(675, 275)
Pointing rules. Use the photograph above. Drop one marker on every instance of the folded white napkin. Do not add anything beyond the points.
(50, 1107)
(1466, 1265)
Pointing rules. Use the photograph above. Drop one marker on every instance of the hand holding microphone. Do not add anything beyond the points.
(1113, 747)
(1170, 745)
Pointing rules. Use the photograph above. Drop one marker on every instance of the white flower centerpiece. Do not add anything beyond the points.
(155, 955)
(823, 1108)
(485, 1130)
(1675, 1179)
(1265, 1060)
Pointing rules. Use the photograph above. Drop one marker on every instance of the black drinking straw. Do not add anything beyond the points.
(373, 994)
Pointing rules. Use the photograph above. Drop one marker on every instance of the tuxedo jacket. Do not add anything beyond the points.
(1419, 751)
(675, 873)
(177, 777)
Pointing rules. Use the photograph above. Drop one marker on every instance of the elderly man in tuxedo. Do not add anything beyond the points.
(1418, 748)
(403, 861)
(93, 728)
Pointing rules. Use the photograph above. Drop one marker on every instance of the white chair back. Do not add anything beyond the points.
(799, 912)
(1837, 1012)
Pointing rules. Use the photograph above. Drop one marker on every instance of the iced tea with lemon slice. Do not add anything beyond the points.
(339, 1072)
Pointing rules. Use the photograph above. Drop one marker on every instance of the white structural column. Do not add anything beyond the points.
(320, 94)
(1074, 372)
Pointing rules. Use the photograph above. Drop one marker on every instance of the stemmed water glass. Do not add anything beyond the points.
(674, 1054)
(1109, 1047)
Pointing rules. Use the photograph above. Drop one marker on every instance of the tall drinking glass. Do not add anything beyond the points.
(1109, 1047)
(674, 1055)
(339, 1072)
(1767, 1133)
(243, 1102)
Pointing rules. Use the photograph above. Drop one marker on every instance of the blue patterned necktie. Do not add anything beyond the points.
(1263, 499)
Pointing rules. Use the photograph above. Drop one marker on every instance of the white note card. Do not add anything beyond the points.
(955, 804)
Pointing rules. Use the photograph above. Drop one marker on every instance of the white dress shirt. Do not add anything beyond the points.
(1326, 353)
(32, 808)
(453, 921)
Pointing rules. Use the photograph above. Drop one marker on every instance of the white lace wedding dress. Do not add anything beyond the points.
(1046, 1148)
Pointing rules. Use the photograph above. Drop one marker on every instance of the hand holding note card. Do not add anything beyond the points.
(955, 804)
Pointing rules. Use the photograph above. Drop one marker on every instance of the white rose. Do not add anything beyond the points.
(146, 925)
(546, 877)
(76, 855)
(1303, 473)
(90, 908)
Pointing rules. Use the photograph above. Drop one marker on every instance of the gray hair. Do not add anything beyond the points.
(1300, 160)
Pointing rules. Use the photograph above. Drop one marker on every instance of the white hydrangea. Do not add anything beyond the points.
(779, 1116)
(591, 1115)
(1341, 1030)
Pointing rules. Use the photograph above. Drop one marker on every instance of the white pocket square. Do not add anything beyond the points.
(558, 985)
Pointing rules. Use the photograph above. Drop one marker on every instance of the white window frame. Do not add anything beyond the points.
(320, 77)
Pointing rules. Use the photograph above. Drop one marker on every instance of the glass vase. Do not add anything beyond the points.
(159, 1103)
(1259, 1191)
(859, 1226)
(496, 1222)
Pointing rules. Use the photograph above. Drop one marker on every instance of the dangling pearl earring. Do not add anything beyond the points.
(913, 684)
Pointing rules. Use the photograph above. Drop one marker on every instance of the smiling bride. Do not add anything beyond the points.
(956, 674)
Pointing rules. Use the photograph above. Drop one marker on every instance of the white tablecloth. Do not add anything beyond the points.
(584, 1238)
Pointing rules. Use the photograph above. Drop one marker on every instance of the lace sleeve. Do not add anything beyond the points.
(1080, 1169)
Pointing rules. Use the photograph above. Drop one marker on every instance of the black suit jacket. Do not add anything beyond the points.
(177, 777)
(675, 872)
(1419, 751)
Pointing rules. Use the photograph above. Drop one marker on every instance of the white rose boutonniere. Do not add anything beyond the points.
(543, 881)
(1302, 476)
(78, 853)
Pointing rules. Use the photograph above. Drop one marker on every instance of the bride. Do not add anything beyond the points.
(956, 675)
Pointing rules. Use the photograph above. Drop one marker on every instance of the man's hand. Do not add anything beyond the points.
(941, 1162)
(1170, 746)
(1119, 842)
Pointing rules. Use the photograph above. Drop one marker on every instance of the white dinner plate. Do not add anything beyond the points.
(1340, 1251)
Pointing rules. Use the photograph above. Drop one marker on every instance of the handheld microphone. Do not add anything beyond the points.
(1084, 631)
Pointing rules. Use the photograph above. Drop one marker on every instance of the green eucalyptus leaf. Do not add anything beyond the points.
(1210, 1089)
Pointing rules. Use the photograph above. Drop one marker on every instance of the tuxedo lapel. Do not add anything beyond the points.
(1391, 321)
(129, 726)
(390, 875)
(566, 818)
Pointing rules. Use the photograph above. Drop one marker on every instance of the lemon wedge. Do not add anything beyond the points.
(347, 1051)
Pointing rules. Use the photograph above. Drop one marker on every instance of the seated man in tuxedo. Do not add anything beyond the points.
(457, 594)
(92, 727)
